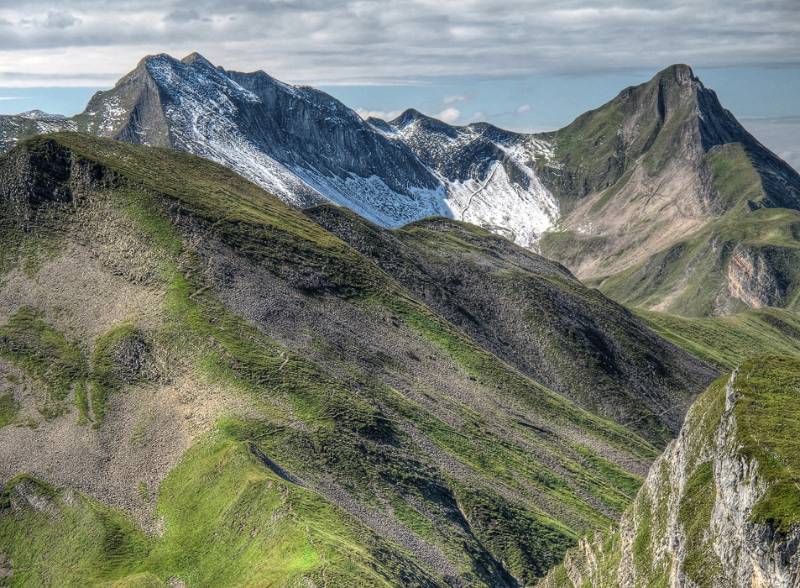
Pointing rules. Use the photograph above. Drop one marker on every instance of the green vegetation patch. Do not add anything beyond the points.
(734, 177)
(232, 522)
(570, 246)
(120, 357)
(60, 367)
(57, 538)
(694, 514)
(45, 354)
(8, 408)
(528, 543)
(728, 341)
(768, 420)
(590, 150)
(643, 541)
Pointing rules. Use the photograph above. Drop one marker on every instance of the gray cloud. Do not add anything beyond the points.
(59, 20)
(370, 41)
(185, 15)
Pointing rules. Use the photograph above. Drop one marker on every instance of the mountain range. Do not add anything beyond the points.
(660, 198)
(248, 338)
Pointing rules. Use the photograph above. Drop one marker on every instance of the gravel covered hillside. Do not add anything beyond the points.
(201, 385)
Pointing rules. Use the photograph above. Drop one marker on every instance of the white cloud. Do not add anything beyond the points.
(523, 108)
(7, 98)
(453, 99)
(449, 115)
(385, 115)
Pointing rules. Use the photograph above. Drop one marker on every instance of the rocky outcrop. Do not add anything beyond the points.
(718, 508)
(41, 180)
(752, 279)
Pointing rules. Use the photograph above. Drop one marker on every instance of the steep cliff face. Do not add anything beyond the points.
(720, 506)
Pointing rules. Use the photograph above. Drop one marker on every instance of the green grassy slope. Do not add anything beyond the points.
(728, 341)
(746, 259)
(355, 410)
(228, 521)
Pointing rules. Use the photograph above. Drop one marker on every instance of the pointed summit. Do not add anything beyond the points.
(194, 58)
(408, 116)
(679, 72)
(429, 123)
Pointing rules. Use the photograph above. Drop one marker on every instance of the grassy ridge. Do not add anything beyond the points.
(228, 521)
(350, 431)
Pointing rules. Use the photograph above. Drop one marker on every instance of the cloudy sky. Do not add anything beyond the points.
(523, 64)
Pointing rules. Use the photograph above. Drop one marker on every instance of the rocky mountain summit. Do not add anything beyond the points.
(307, 147)
(721, 506)
(669, 203)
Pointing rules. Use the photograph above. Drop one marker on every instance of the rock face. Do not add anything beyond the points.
(719, 507)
